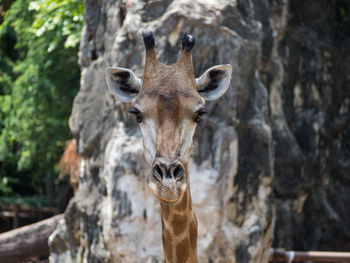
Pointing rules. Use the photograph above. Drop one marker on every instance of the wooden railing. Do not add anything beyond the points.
(17, 212)
(282, 255)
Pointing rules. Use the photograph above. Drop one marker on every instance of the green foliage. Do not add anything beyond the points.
(24, 201)
(344, 17)
(39, 77)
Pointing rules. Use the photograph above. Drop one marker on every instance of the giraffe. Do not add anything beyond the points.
(168, 103)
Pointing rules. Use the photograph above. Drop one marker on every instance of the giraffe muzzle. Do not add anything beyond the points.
(167, 181)
(162, 171)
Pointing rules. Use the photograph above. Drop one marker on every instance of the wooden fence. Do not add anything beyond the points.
(281, 255)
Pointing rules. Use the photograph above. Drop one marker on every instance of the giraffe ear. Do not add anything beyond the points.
(123, 83)
(214, 82)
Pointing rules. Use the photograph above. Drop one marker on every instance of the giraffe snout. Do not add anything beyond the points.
(163, 171)
(168, 180)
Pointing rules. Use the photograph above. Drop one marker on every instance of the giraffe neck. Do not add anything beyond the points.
(179, 230)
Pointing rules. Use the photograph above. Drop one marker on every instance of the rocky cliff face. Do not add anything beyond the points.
(307, 77)
(282, 128)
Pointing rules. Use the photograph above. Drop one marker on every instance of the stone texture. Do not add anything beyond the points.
(281, 129)
(307, 75)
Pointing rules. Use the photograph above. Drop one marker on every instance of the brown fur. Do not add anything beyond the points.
(183, 223)
(179, 223)
(182, 253)
(167, 244)
(69, 164)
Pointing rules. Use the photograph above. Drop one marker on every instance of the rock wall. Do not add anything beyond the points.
(307, 76)
(281, 130)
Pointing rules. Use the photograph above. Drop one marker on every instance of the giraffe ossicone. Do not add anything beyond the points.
(168, 104)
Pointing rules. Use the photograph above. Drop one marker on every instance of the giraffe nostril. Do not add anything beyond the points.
(174, 171)
(157, 172)
(178, 172)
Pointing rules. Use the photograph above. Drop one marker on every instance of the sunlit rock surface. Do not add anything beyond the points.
(270, 133)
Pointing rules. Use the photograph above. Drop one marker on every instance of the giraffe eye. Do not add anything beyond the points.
(198, 115)
(137, 114)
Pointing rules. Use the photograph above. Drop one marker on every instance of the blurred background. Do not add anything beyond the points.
(273, 154)
(39, 77)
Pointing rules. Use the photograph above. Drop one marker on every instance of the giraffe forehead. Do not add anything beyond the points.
(169, 79)
(169, 100)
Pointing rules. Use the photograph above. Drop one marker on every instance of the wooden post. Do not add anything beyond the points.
(16, 217)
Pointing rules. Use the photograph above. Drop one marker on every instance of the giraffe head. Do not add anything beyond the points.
(168, 103)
